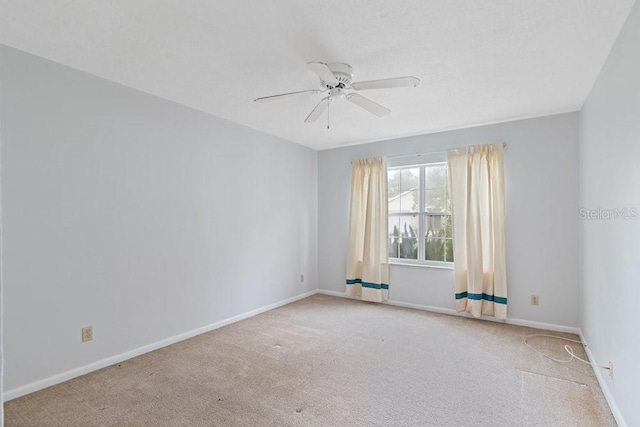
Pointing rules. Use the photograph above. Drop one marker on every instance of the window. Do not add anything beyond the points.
(420, 230)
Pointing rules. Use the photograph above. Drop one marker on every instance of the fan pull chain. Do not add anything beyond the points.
(328, 104)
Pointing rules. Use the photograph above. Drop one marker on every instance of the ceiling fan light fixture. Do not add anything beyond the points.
(336, 78)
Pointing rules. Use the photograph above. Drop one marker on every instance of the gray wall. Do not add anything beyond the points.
(138, 216)
(541, 169)
(1, 287)
(610, 179)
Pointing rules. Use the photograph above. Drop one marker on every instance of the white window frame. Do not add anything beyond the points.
(422, 214)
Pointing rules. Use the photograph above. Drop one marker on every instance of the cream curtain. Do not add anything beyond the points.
(478, 213)
(367, 255)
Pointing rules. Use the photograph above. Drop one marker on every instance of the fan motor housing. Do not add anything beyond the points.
(342, 72)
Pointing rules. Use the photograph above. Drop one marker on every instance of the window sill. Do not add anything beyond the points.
(408, 264)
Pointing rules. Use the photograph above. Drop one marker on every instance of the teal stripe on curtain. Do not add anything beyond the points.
(367, 284)
(486, 297)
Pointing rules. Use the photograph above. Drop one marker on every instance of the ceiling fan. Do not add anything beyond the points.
(336, 78)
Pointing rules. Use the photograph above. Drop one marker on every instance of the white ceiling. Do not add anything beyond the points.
(479, 61)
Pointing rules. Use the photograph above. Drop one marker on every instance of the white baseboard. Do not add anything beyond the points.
(518, 322)
(603, 384)
(82, 370)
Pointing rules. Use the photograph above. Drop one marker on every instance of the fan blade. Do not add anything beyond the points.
(386, 83)
(368, 105)
(323, 71)
(317, 111)
(272, 97)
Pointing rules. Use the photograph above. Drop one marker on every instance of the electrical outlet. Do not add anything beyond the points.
(535, 300)
(610, 369)
(87, 333)
(302, 278)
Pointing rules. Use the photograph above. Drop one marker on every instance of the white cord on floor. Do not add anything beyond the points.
(566, 347)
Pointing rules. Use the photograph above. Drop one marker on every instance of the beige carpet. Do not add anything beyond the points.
(338, 362)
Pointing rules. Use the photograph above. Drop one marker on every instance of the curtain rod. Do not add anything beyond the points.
(504, 144)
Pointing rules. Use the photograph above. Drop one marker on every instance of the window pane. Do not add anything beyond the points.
(438, 239)
(434, 249)
(394, 236)
(434, 200)
(437, 245)
(410, 179)
(435, 226)
(448, 250)
(448, 226)
(393, 183)
(436, 176)
(408, 242)
(409, 201)
(403, 190)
